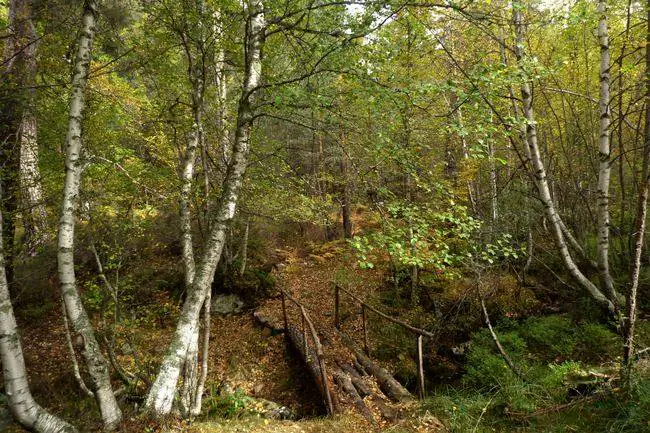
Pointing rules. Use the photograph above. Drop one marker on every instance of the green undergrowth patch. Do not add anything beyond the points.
(570, 366)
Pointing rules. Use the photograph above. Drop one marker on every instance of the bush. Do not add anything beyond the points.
(548, 350)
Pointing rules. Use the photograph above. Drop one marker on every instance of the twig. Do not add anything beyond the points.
(560, 407)
(502, 351)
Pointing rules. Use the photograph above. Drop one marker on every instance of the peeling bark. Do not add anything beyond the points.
(160, 398)
(539, 171)
(97, 366)
(604, 151)
(21, 403)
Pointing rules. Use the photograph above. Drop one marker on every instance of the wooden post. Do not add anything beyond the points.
(365, 330)
(420, 369)
(337, 301)
(326, 384)
(284, 313)
(304, 335)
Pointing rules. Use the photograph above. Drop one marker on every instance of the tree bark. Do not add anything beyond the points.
(604, 151)
(160, 397)
(95, 361)
(640, 225)
(31, 190)
(540, 173)
(244, 249)
(14, 97)
(21, 403)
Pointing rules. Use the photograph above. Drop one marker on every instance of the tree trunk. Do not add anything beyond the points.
(95, 361)
(345, 199)
(198, 393)
(244, 249)
(640, 224)
(21, 403)
(160, 397)
(34, 213)
(540, 173)
(604, 172)
(14, 99)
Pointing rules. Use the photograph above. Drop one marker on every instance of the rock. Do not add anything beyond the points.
(227, 304)
(272, 410)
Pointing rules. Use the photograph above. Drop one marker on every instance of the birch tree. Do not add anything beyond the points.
(92, 355)
(196, 57)
(13, 97)
(21, 403)
(640, 226)
(605, 157)
(160, 398)
(539, 171)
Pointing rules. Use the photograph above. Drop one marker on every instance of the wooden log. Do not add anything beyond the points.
(387, 383)
(284, 310)
(362, 388)
(390, 414)
(311, 360)
(365, 330)
(362, 371)
(345, 383)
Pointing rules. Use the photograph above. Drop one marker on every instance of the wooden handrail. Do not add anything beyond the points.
(413, 329)
(317, 345)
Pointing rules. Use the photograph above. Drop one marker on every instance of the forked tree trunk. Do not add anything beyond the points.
(539, 171)
(97, 366)
(160, 398)
(21, 403)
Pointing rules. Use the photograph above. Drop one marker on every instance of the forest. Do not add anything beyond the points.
(324, 216)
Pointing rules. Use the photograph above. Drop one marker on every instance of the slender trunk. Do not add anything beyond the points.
(222, 94)
(73, 356)
(494, 201)
(345, 199)
(160, 397)
(21, 403)
(540, 173)
(95, 361)
(604, 172)
(640, 224)
(244, 249)
(198, 394)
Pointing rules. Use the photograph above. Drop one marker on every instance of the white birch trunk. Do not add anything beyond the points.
(244, 249)
(605, 158)
(640, 226)
(93, 357)
(540, 174)
(21, 403)
(160, 398)
(198, 393)
(34, 215)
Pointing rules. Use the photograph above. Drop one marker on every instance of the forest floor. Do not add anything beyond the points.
(258, 362)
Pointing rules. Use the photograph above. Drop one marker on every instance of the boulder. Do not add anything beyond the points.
(226, 304)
